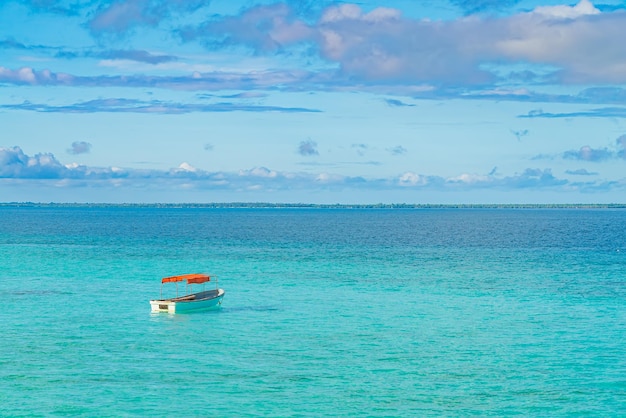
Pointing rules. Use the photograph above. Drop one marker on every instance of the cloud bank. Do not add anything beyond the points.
(16, 166)
(352, 47)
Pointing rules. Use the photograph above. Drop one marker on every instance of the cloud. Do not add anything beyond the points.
(477, 6)
(381, 44)
(467, 178)
(410, 179)
(359, 148)
(259, 172)
(10, 43)
(397, 103)
(186, 167)
(583, 8)
(564, 37)
(520, 134)
(530, 178)
(308, 148)
(120, 17)
(244, 95)
(614, 95)
(80, 147)
(52, 6)
(533, 178)
(590, 154)
(24, 75)
(621, 146)
(137, 55)
(16, 166)
(586, 153)
(119, 105)
(397, 150)
(266, 28)
(214, 81)
(580, 172)
(253, 83)
(557, 44)
(605, 112)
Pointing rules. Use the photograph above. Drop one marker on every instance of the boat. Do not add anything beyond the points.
(205, 299)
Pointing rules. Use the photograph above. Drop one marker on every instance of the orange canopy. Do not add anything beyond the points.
(190, 278)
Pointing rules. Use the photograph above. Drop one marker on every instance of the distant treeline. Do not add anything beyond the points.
(253, 205)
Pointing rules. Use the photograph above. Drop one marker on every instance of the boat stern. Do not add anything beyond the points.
(162, 306)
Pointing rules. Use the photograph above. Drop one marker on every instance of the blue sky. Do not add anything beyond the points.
(457, 101)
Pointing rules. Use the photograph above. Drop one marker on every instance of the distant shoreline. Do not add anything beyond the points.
(265, 205)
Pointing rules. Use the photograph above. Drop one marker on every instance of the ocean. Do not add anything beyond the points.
(327, 312)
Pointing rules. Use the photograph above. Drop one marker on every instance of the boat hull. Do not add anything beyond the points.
(209, 299)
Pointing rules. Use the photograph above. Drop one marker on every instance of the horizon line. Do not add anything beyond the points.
(269, 205)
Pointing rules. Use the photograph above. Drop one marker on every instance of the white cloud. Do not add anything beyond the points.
(187, 167)
(22, 75)
(583, 8)
(411, 179)
(329, 178)
(339, 13)
(469, 179)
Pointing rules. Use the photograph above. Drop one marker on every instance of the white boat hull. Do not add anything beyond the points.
(196, 301)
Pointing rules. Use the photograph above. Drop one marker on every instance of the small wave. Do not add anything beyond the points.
(250, 308)
(36, 292)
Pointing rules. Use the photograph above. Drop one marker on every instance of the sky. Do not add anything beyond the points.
(397, 101)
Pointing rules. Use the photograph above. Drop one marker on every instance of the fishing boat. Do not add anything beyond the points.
(190, 301)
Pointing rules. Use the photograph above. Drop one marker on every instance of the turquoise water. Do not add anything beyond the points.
(328, 312)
